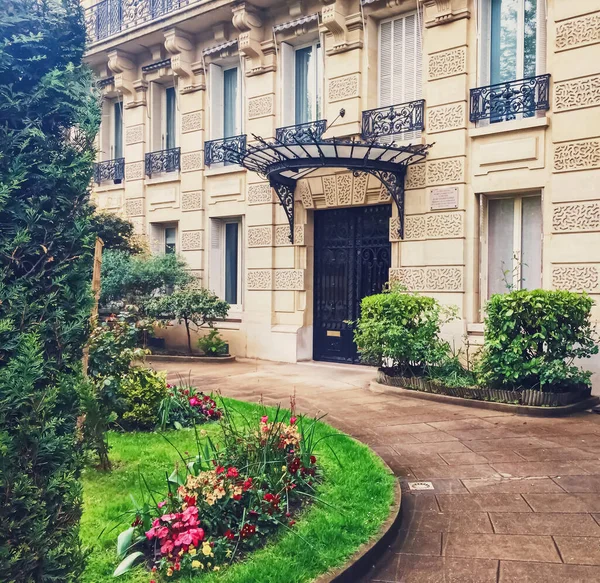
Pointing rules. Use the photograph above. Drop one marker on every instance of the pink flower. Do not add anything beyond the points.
(167, 547)
(292, 420)
(219, 470)
(232, 473)
(264, 418)
(162, 504)
(194, 402)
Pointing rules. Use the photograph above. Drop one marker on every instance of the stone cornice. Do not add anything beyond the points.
(438, 12)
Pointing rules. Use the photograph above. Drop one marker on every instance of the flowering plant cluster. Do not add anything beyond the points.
(231, 499)
(185, 406)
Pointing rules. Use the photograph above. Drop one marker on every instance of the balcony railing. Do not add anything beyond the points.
(109, 170)
(302, 132)
(505, 101)
(162, 161)
(109, 17)
(224, 150)
(393, 120)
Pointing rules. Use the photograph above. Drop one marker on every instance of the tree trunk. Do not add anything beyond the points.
(189, 339)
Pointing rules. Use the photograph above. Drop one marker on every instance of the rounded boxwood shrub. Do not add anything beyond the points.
(143, 391)
(532, 338)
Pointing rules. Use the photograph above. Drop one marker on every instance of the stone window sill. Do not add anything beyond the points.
(510, 126)
(109, 187)
(223, 170)
(167, 177)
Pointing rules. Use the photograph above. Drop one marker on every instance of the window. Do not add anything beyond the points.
(170, 240)
(163, 237)
(163, 117)
(230, 102)
(170, 127)
(307, 84)
(225, 102)
(400, 63)
(225, 259)
(512, 243)
(117, 145)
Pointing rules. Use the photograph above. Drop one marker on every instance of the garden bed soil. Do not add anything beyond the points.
(525, 400)
(182, 357)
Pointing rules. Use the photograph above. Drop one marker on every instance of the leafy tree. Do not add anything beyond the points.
(49, 117)
(116, 233)
(192, 307)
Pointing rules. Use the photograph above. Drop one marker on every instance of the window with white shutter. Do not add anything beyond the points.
(225, 263)
(400, 64)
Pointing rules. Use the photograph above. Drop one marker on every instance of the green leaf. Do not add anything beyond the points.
(178, 425)
(124, 541)
(126, 564)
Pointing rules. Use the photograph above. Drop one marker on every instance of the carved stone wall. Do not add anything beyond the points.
(433, 226)
(415, 227)
(343, 87)
(134, 207)
(577, 32)
(260, 193)
(446, 117)
(191, 201)
(447, 63)
(577, 93)
(429, 279)
(359, 188)
(304, 194)
(191, 122)
(446, 171)
(289, 279)
(579, 155)
(260, 106)
(260, 236)
(344, 189)
(134, 171)
(191, 161)
(576, 277)
(191, 240)
(134, 134)
(259, 279)
(330, 190)
(282, 235)
(415, 176)
(576, 217)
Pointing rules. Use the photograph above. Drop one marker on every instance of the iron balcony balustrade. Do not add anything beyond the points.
(162, 161)
(109, 17)
(109, 170)
(301, 132)
(505, 101)
(224, 150)
(393, 120)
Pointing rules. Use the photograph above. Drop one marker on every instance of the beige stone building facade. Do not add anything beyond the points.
(505, 92)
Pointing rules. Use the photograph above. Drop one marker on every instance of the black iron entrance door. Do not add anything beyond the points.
(352, 259)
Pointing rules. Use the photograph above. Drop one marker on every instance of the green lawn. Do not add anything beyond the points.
(358, 495)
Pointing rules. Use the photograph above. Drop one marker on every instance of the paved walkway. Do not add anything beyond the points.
(514, 499)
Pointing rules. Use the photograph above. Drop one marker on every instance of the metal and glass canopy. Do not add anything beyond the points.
(301, 149)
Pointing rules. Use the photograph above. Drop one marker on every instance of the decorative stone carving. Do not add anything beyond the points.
(289, 279)
(329, 187)
(576, 277)
(415, 227)
(134, 207)
(259, 53)
(191, 201)
(576, 217)
(134, 171)
(444, 225)
(180, 47)
(439, 12)
(260, 106)
(191, 240)
(346, 30)
(134, 134)
(305, 195)
(579, 155)
(191, 122)
(260, 236)
(415, 176)
(447, 63)
(359, 188)
(259, 279)
(413, 278)
(344, 188)
(191, 161)
(446, 117)
(577, 93)
(123, 66)
(576, 32)
(260, 193)
(430, 279)
(343, 87)
(384, 194)
(447, 171)
(394, 226)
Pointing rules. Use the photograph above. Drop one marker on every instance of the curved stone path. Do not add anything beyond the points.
(513, 499)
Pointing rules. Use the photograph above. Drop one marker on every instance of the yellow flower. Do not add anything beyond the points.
(192, 551)
(206, 550)
(228, 553)
(283, 468)
(196, 564)
(217, 569)
(169, 572)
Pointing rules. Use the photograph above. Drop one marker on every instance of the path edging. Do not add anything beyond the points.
(490, 405)
(364, 558)
(198, 359)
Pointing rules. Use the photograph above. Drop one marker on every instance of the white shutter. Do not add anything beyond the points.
(541, 37)
(215, 100)
(215, 265)
(385, 64)
(288, 74)
(106, 127)
(156, 107)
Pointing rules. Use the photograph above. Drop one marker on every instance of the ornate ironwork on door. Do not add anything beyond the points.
(352, 260)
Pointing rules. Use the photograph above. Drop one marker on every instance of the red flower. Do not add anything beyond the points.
(291, 523)
(229, 535)
(264, 418)
(247, 485)
(313, 459)
(161, 504)
(232, 473)
(194, 402)
(219, 470)
(292, 420)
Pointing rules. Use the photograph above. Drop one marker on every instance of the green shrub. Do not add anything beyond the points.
(49, 118)
(116, 233)
(532, 338)
(401, 330)
(142, 390)
(212, 344)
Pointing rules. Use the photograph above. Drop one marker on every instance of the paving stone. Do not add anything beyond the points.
(545, 523)
(443, 486)
(474, 471)
(590, 466)
(500, 456)
(516, 572)
(579, 550)
(421, 502)
(420, 543)
(554, 454)
(563, 502)
(462, 424)
(470, 458)
(434, 437)
(413, 569)
(511, 443)
(575, 484)
(535, 469)
(482, 503)
(501, 546)
(473, 522)
(517, 485)
(432, 448)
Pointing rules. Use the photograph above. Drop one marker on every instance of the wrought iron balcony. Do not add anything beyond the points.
(393, 120)
(162, 161)
(109, 17)
(505, 101)
(225, 150)
(301, 132)
(109, 170)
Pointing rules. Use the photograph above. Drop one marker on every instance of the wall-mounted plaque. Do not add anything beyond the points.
(445, 197)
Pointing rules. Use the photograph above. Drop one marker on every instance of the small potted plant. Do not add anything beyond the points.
(213, 345)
